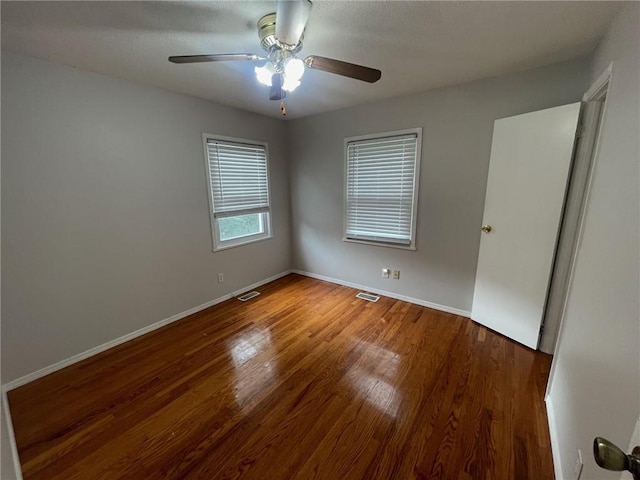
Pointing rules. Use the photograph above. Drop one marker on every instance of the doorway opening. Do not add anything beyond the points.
(576, 200)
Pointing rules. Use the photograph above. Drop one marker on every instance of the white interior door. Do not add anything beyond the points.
(528, 172)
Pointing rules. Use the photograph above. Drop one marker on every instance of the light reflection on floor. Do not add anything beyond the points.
(369, 377)
(253, 356)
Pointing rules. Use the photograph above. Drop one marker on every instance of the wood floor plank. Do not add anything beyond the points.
(304, 381)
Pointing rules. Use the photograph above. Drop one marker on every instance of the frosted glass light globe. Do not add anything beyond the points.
(294, 68)
(265, 73)
(289, 84)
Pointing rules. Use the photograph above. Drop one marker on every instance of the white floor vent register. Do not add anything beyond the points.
(368, 296)
(248, 296)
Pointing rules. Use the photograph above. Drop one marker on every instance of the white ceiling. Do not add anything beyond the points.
(418, 45)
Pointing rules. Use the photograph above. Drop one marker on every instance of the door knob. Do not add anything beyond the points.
(611, 457)
(486, 228)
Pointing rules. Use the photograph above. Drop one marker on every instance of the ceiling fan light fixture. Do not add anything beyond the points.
(265, 73)
(290, 84)
(281, 69)
(294, 69)
(277, 92)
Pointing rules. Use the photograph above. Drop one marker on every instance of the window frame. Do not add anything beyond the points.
(217, 243)
(416, 186)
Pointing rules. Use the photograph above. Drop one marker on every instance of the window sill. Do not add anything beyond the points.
(228, 246)
(380, 244)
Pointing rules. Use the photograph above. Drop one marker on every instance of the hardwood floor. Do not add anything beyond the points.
(304, 381)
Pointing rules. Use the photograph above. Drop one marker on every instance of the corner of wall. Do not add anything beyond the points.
(289, 161)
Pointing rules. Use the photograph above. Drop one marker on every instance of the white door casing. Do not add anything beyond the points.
(575, 202)
(528, 172)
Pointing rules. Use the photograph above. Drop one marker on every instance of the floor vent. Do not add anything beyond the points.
(248, 296)
(367, 296)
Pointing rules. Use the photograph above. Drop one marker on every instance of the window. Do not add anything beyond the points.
(238, 190)
(382, 188)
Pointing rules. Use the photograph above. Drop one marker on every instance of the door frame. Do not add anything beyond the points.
(591, 114)
(598, 91)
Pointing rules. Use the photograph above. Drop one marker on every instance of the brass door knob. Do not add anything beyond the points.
(486, 228)
(610, 457)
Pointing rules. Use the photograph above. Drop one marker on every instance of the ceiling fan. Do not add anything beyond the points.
(281, 35)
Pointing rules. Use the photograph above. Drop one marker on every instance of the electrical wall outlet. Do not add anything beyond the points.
(386, 273)
(220, 278)
(577, 470)
(396, 274)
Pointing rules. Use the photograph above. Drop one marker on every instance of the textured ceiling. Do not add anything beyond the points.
(417, 45)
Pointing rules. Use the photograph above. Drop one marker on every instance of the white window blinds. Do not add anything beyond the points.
(381, 183)
(238, 178)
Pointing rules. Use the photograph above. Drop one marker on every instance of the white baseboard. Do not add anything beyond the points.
(417, 301)
(130, 336)
(553, 433)
(12, 438)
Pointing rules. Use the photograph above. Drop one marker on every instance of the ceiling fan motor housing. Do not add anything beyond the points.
(267, 34)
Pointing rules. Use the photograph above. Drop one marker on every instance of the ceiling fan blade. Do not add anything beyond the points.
(219, 57)
(291, 18)
(345, 69)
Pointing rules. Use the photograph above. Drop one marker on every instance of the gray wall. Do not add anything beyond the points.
(105, 223)
(457, 128)
(595, 388)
